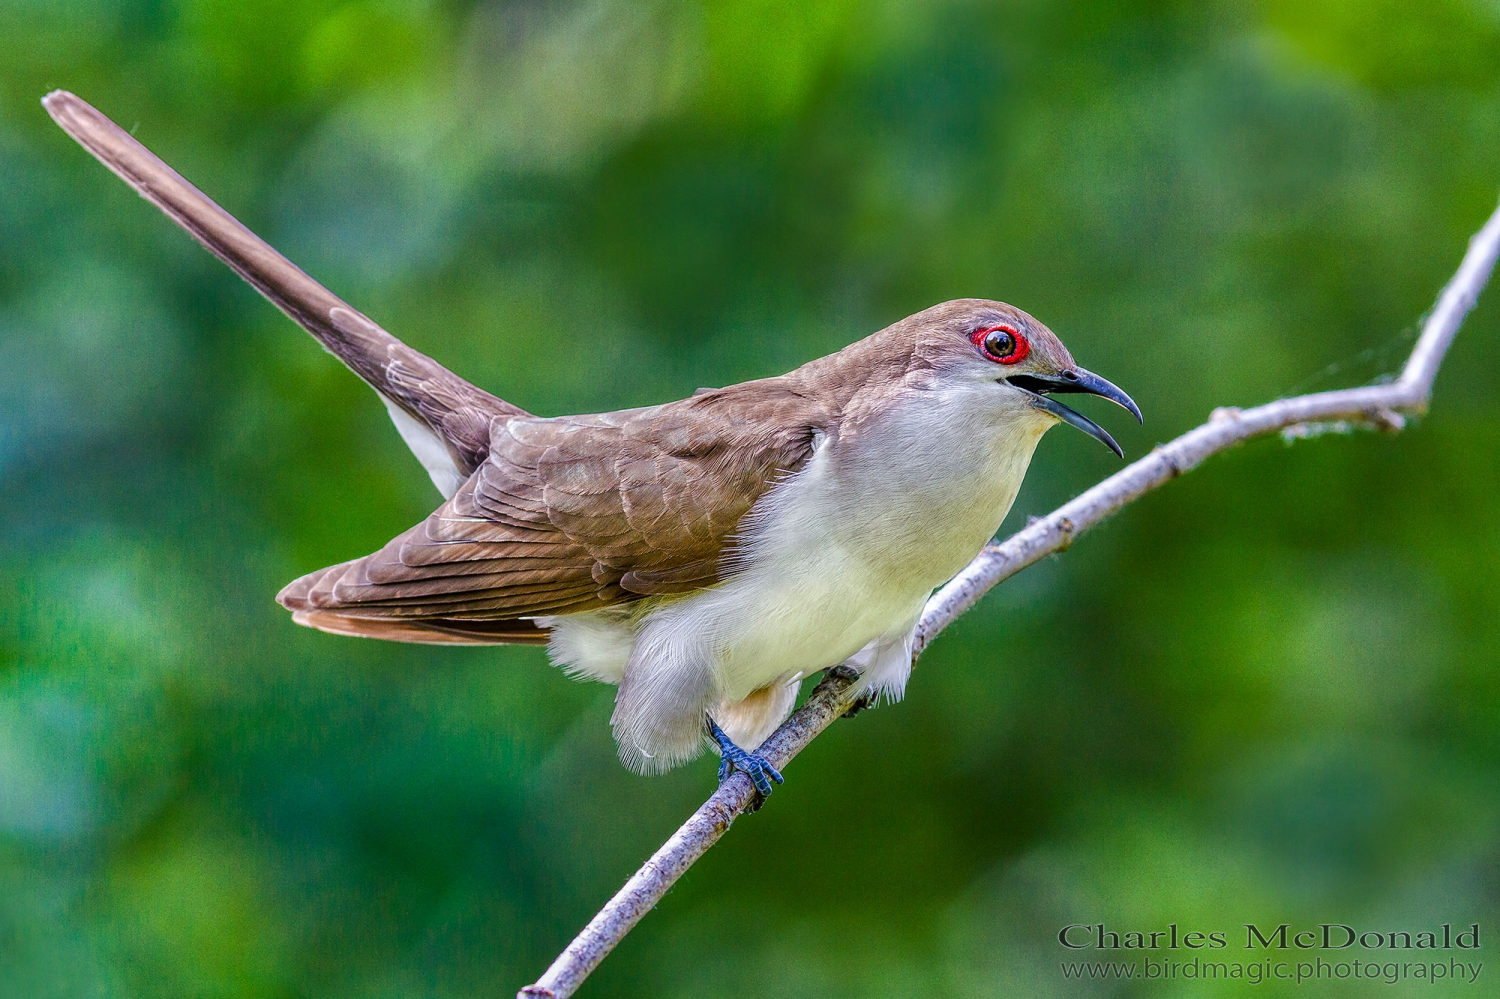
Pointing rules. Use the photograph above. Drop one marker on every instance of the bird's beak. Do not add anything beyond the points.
(1039, 387)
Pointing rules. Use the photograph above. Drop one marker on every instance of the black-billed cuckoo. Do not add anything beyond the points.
(704, 555)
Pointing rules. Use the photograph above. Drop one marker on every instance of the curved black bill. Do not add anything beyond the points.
(1039, 387)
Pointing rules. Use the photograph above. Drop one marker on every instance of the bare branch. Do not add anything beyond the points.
(1377, 406)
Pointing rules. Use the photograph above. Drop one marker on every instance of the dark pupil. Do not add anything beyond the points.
(1000, 343)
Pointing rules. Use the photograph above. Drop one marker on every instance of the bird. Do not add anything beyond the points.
(704, 555)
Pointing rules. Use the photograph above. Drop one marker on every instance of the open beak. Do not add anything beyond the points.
(1039, 387)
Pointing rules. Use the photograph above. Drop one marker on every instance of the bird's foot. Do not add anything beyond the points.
(754, 765)
(865, 700)
(862, 702)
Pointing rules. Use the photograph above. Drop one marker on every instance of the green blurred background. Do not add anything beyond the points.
(1269, 692)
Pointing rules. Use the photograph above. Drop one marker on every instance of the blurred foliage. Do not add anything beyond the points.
(1269, 692)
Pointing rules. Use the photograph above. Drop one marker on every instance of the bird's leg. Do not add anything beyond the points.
(863, 701)
(754, 765)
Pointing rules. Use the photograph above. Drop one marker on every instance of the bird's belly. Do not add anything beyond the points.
(780, 619)
(804, 608)
(784, 621)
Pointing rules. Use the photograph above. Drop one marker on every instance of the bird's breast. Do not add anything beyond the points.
(847, 550)
(912, 495)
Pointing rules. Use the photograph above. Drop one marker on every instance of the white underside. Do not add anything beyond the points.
(430, 451)
(836, 564)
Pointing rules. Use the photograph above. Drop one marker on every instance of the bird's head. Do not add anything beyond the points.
(1010, 361)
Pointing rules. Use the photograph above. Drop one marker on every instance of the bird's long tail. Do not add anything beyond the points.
(435, 401)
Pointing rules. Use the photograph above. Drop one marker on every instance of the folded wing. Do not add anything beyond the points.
(573, 514)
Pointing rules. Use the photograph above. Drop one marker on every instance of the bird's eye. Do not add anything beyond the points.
(1001, 344)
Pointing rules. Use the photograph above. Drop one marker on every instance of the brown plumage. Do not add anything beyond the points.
(578, 513)
(704, 554)
(566, 514)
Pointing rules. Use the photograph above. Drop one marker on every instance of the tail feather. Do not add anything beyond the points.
(436, 631)
(436, 402)
(309, 599)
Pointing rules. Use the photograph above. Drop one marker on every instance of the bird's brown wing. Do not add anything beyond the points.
(573, 514)
(456, 413)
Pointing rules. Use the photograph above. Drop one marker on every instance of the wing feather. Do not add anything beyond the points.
(571, 514)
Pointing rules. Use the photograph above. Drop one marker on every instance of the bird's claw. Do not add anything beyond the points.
(850, 674)
(753, 765)
(861, 703)
(756, 767)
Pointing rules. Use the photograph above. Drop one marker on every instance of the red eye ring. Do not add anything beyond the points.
(1017, 349)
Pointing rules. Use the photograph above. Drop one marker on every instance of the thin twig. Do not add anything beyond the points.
(1377, 406)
